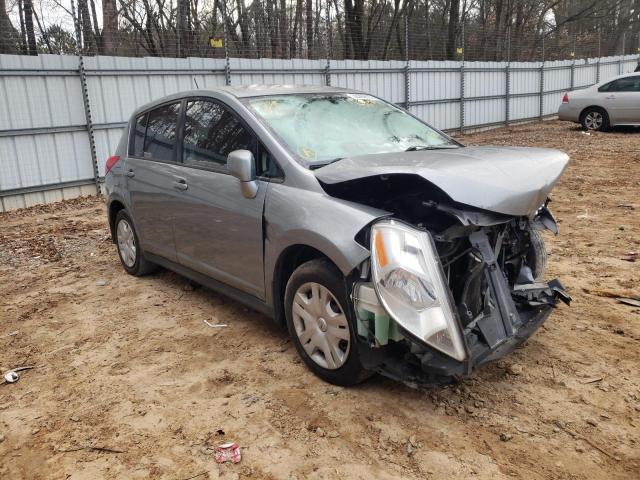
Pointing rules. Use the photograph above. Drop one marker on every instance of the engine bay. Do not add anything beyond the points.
(494, 266)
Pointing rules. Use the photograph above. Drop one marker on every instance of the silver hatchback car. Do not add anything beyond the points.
(380, 242)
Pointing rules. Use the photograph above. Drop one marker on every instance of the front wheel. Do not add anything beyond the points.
(595, 119)
(319, 319)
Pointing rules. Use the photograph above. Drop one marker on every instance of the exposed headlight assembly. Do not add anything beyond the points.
(410, 283)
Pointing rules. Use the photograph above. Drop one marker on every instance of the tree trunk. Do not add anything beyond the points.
(273, 28)
(452, 28)
(283, 33)
(28, 25)
(182, 26)
(109, 26)
(354, 19)
(85, 25)
(9, 39)
(309, 26)
(297, 25)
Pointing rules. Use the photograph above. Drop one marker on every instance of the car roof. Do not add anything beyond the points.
(244, 91)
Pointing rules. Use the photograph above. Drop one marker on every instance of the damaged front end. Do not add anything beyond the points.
(448, 289)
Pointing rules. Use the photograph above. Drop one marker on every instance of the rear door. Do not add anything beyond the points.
(152, 178)
(218, 231)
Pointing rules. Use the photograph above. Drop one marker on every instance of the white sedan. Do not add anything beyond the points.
(607, 104)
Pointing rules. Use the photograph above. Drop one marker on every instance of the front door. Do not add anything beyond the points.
(218, 232)
(622, 99)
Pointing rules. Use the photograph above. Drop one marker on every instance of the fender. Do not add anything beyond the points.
(328, 224)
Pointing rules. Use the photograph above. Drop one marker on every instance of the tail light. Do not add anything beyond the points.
(111, 162)
(565, 99)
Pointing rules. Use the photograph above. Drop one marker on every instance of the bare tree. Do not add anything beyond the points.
(9, 39)
(109, 26)
(28, 25)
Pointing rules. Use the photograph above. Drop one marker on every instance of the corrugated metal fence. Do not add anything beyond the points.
(52, 108)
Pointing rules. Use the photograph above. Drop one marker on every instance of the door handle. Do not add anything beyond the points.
(130, 174)
(610, 97)
(180, 184)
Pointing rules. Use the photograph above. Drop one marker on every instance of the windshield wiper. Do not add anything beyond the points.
(315, 166)
(415, 148)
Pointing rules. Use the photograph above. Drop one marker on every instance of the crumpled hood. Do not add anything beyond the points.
(508, 180)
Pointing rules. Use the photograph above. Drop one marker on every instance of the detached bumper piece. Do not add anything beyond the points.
(509, 317)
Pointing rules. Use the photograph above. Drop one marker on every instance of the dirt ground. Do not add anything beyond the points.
(131, 383)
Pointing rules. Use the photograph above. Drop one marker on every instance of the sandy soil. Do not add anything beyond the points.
(131, 368)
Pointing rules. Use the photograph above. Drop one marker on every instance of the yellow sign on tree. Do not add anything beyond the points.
(459, 51)
(215, 42)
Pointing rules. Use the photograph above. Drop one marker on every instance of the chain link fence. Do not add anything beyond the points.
(329, 29)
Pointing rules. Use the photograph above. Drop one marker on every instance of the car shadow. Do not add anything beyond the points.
(627, 129)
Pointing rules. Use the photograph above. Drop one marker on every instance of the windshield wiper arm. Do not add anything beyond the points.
(415, 148)
(315, 166)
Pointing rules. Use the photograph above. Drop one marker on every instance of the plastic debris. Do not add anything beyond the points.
(228, 452)
(631, 301)
(216, 325)
(630, 256)
(11, 376)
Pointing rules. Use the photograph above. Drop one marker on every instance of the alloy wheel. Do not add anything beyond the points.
(126, 243)
(593, 120)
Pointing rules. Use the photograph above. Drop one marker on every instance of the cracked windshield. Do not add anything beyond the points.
(320, 129)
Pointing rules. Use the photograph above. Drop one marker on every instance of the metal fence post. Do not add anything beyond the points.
(462, 83)
(620, 62)
(507, 80)
(227, 63)
(462, 97)
(327, 47)
(407, 79)
(573, 74)
(599, 56)
(507, 93)
(85, 100)
(541, 105)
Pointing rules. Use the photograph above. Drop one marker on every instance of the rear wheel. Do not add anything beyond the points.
(129, 251)
(320, 322)
(594, 118)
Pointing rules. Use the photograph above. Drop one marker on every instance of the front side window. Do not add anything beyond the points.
(320, 128)
(162, 130)
(211, 132)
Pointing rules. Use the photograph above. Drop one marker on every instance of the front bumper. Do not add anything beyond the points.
(419, 364)
(510, 316)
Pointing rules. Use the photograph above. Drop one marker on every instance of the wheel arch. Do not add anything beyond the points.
(114, 207)
(588, 107)
(289, 259)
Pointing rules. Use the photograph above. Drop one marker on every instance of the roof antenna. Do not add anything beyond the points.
(194, 81)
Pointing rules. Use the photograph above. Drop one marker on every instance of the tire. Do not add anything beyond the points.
(304, 314)
(127, 243)
(595, 118)
(537, 256)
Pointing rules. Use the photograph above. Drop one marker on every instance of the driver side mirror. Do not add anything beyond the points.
(241, 165)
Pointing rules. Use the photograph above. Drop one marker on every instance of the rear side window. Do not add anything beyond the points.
(161, 133)
(211, 132)
(139, 130)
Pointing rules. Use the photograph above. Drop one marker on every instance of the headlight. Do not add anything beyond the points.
(410, 284)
